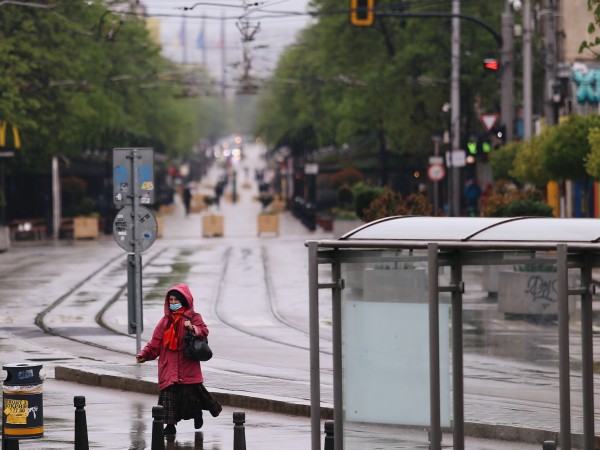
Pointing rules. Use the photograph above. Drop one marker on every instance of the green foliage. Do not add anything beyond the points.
(528, 207)
(364, 194)
(526, 165)
(592, 160)
(566, 146)
(390, 203)
(348, 176)
(384, 205)
(506, 200)
(345, 197)
(594, 7)
(502, 159)
(68, 86)
(339, 83)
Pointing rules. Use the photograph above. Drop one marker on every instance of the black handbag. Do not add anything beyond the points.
(196, 347)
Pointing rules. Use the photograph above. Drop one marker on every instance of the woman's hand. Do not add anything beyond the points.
(140, 359)
(188, 325)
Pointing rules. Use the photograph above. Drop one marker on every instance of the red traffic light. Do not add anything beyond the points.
(491, 64)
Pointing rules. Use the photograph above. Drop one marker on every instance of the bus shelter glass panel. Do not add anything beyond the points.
(385, 348)
(510, 337)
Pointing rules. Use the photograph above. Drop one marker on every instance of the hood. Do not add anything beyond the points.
(185, 290)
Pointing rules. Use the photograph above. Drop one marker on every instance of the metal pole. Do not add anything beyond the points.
(551, 68)
(136, 250)
(434, 349)
(315, 378)
(457, 356)
(587, 356)
(563, 348)
(507, 111)
(436, 185)
(527, 71)
(455, 106)
(55, 199)
(338, 406)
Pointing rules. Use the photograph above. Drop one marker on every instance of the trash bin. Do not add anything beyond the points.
(22, 406)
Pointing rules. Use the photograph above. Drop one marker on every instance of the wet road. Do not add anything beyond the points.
(65, 304)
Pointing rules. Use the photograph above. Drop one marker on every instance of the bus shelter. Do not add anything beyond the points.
(397, 288)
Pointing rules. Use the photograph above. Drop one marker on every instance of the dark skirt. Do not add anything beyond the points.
(186, 401)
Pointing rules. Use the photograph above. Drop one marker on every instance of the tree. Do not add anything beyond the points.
(526, 165)
(341, 81)
(565, 149)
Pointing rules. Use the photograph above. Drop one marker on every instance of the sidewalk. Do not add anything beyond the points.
(259, 363)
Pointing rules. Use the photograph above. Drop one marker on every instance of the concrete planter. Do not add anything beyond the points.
(86, 228)
(491, 280)
(341, 227)
(531, 293)
(268, 223)
(4, 238)
(212, 225)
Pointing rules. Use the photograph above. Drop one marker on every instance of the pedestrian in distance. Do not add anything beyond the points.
(182, 392)
(187, 199)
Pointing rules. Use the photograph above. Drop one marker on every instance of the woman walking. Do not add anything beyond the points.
(182, 392)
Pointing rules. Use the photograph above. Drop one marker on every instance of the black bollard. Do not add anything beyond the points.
(549, 445)
(81, 433)
(239, 433)
(328, 434)
(158, 440)
(10, 444)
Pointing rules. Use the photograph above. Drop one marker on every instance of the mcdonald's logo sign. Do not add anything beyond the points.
(15, 132)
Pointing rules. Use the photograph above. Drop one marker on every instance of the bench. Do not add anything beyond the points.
(28, 229)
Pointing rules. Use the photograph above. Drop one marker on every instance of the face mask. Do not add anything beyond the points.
(175, 306)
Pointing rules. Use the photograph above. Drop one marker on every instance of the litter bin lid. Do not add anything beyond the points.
(22, 374)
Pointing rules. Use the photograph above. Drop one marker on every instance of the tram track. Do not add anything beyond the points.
(217, 302)
(271, 302)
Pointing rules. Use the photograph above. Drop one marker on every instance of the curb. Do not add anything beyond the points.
(473, 429)
(224, 397)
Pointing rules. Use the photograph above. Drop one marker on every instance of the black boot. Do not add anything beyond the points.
(170, 429)
(198, 422)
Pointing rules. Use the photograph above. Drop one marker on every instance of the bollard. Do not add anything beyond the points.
(549, 445)
(158, 440)
(239, 433)
(22, 404)
(81, 432)
(328, 434)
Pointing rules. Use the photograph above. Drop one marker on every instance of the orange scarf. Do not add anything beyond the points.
(171, 336)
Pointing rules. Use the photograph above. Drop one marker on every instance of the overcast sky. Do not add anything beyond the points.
(222, 39)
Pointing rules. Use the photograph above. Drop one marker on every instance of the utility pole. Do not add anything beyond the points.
(552, 87)
(455, 107)
(248, 31)
(507, 110)
(527, 72)
(223, 56)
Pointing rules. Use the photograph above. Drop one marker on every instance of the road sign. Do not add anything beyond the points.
(489, 120)
(456, 158)
(436, 172)
(123, 228)
(436, 160)
(124, 165)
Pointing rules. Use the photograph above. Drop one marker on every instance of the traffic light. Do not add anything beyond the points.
(491, 64)
(499, 135)
(362, 12)
(15, 132)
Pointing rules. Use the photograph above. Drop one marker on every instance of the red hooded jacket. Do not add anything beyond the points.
(173, 366)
